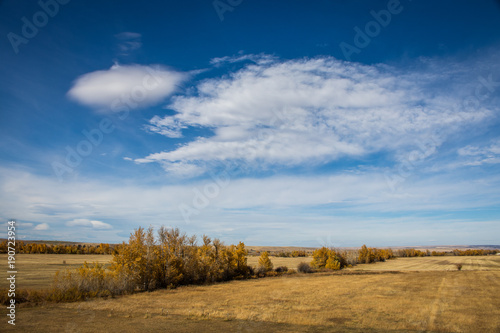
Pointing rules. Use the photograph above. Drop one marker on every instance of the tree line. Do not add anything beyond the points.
(456, 252)
(31, 248)
(290, 254)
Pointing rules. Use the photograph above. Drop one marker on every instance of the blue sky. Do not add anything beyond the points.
(335, 123)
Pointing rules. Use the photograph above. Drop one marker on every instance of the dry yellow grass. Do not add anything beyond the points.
(347, 301)
(36, 271)
(446, 263)
(291, 263)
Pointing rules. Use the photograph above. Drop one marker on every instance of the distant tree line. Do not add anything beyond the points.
(22, 247)
(290, 254)
(456, 252)
(403, 253)
(477, 252)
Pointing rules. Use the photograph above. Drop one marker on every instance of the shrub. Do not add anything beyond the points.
(25, 296)
(281, 269)
(271, 273)
(304, 267)
(370, 254)
(459, 266)
(351, 257)
(260, 272)
(90, 280)
(328, 258)
(332, 263)
(320, 256)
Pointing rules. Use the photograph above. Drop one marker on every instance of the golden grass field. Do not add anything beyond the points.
(291, 263)
(401, 295)
(37, 270)
(447, 263)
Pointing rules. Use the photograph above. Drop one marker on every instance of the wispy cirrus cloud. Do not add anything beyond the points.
(167, 126)
(260, 59)
(128, 42)
(286, 113)
(478, 155)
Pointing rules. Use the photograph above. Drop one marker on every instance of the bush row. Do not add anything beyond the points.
(148, 262)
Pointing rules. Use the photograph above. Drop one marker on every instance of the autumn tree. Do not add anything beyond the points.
(134, 259)
(327, 258)
(265, 263)
(240, 256)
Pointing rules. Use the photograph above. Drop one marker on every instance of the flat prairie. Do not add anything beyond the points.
(369, 298)
(291, 263)
(445, 263)
(36, 271)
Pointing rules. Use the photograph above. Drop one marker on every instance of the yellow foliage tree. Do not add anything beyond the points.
(320, 256)
(332, 263)
(265, 263)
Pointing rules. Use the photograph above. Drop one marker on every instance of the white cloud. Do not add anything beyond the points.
(284, 207)
(260, 59)
(309, 111)
(89, 223)
(183, 170)
(479, 155)
(125, 87)
(167, 126)
(41, 227)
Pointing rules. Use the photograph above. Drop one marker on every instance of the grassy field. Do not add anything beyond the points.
(447, 263)
(291, 263)
(423, 296)
(37, 270)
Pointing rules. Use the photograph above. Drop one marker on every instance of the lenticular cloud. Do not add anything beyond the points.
(130, 87)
